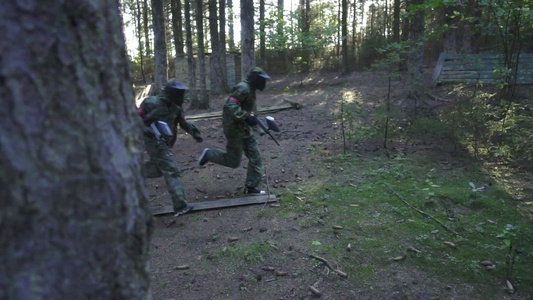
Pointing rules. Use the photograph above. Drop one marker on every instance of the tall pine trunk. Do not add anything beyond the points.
(75, 218)
(262, 33)
(344, 21)
(203, 98)
(146, 23)
(177, 32)
(191, 63)
(247, 37)
(215, 58)
(415, 61)
(160, 44)
(222, 33)
(138, 13)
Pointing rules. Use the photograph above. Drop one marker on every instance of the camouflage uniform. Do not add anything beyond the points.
(162, 108)
(240, 137)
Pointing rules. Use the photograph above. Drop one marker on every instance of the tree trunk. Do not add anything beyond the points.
(222, 39)
(396, 22)
(416, 54)
(146, 21)
(247, 37)
(282, 39)
(305, 26)
(203, 99)
(353, 56)
(177, 32)
(345, 62)
(191, 64)
(262, 33)
(160, 45)
(215, 59)
(450, 42)
(75, 220)
(230, 25)
(139, 38)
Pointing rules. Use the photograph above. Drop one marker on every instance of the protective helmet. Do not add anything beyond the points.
(257, 78)
(175, 91)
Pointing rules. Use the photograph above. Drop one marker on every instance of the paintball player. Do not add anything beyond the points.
(166, 107)
(238, 117)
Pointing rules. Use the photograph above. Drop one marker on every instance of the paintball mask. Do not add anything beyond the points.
(175, 91)
(257, 78)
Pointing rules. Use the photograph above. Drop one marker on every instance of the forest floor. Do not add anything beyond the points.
(273, 251)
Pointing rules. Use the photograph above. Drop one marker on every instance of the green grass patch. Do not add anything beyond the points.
(368, 200)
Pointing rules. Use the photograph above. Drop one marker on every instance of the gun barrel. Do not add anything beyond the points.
(266, 130)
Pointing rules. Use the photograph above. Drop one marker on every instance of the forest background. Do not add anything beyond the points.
(196, 41)
(76, 221)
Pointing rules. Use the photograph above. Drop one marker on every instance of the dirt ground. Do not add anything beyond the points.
(195, 240)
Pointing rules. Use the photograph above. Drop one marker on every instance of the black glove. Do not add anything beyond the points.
(251, 120)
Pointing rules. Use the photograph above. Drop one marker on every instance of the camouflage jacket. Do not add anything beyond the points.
(160, 108)
(240, 104)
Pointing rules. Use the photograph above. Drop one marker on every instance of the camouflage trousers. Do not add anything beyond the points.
(232, 158)
(162, 164)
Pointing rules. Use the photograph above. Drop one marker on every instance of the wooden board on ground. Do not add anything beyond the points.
(266, 110)
(223, 203)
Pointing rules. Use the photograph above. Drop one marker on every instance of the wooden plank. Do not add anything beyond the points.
(439, 66)
(218, 114)
(223, 203)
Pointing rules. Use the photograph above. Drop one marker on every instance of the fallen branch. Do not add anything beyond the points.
(420, 211)
(329, 265)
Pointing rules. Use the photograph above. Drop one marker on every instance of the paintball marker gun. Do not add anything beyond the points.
(270, 125)
(159, 129)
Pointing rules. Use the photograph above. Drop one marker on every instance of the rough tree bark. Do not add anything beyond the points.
(262, 33)
(222, 38)
(177, 32)
(247, 37)
(146, 22)
(415, 61)
(160, 45)
(74, 214)
(215, 59)
(138, 13)
(191, 63)
(344, 21)
(202, 101)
